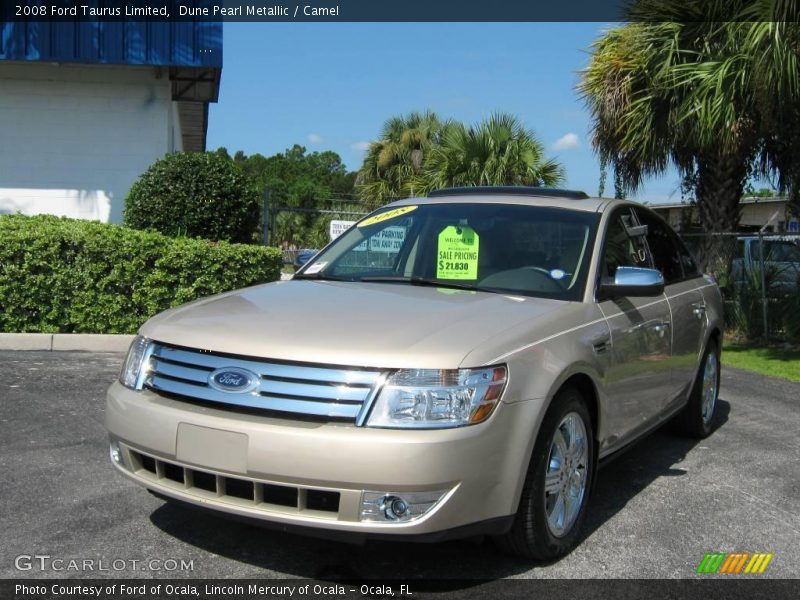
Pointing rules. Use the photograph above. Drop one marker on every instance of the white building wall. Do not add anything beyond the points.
(74, 138)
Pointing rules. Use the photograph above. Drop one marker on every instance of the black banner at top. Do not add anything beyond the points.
(367, 10)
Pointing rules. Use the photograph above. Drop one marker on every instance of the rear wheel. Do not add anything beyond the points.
(697, 418)
(556, 489)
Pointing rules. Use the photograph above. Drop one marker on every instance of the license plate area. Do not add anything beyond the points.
(212, 448)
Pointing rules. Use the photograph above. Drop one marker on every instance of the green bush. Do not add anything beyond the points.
(195, 194)
(73, 276)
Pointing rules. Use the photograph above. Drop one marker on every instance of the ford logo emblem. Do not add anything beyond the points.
(233, 379)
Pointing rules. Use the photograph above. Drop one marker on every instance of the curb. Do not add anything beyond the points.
(86, 342)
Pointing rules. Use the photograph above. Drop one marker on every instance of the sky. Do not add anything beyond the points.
(331, 86)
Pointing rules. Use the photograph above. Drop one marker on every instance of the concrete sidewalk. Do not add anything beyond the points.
(87, 342)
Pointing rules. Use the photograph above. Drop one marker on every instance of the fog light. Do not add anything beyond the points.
(395, 507)
(398, 506)
(116, 453)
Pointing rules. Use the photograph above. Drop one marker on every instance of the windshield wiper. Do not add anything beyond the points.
(320, 277)
(416, 280)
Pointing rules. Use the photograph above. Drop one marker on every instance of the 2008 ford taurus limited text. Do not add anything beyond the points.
(449, 366)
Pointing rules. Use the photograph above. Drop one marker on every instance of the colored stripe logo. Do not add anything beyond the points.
(733, 563)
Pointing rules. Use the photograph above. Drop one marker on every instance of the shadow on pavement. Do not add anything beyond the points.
(654, 456)
(620, 481)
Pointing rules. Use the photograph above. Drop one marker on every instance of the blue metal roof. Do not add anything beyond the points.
(169, 44)
(189, 51)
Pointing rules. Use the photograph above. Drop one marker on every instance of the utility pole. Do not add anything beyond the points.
(265, 218)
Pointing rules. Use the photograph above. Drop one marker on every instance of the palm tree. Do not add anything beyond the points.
(499, 151)
(702, 86)
(397, 157)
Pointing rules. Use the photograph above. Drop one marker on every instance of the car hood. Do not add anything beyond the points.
(387, 325)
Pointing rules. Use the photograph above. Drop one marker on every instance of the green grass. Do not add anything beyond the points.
(772, 361)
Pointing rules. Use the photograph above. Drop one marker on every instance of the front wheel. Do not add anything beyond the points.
(556, 489)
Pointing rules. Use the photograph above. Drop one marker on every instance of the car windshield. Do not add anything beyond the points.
(504, 248)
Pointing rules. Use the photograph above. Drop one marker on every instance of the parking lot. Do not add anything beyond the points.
(655, 511)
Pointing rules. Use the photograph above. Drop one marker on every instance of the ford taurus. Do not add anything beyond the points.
(450, 366)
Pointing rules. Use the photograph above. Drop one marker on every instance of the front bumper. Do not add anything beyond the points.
(480, 467)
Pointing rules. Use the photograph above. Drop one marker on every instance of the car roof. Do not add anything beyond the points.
(546, 197)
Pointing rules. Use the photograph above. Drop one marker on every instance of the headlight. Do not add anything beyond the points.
(430, 398)
(137, 354)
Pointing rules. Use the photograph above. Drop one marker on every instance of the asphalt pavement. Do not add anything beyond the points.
(654, 513)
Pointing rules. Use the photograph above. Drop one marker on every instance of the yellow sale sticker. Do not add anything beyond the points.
(457, 253)
(385, 216)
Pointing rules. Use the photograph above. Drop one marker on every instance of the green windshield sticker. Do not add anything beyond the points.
(457, 255)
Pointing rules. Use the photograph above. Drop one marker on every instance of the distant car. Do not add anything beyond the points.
(303, 256)
(450, 366)
(781, 256)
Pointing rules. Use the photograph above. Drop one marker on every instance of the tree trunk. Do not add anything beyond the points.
(720, 184)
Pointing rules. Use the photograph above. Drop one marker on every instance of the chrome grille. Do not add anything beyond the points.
(329, 392)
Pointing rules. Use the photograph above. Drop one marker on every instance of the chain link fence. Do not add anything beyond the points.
(759, 275)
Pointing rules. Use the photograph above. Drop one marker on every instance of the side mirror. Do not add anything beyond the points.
(633, 281)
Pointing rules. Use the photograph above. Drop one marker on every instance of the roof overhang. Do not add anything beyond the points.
(193, 88)
(195, 84)
(194, 125)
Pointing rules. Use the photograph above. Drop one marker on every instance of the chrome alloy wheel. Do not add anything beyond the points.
(566, 475)
(710, 387)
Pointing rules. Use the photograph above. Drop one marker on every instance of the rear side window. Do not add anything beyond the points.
(664, 246)
(687, 260)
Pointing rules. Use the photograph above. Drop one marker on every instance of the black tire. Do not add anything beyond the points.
(530, 535)
(691, 421)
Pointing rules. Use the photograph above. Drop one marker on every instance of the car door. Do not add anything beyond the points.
(686, 304)
(638, 375)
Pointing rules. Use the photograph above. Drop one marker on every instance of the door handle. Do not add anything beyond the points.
(601, 346)
(661, 327)
(699, 308)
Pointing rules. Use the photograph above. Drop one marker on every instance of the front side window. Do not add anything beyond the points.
(663, 246)
(491, 247)
(624, 245)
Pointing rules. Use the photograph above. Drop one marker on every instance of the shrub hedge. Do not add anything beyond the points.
(61, 275)
(195, 194)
